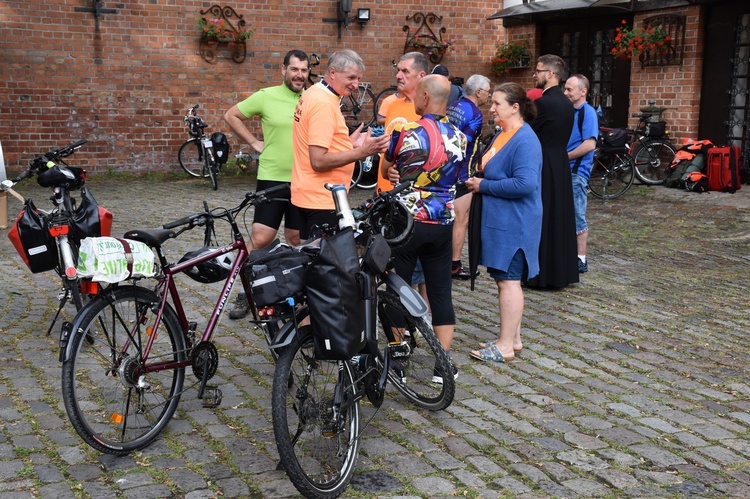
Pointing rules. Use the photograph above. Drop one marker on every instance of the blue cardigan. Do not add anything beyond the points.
(512, 204)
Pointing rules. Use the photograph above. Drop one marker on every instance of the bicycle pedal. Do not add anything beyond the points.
(399, 349)
(211, 397)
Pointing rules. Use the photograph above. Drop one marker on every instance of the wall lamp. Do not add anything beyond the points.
(343, 8)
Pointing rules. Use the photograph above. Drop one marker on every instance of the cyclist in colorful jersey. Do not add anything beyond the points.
(466, 115)
(429, 152)
(275, 107)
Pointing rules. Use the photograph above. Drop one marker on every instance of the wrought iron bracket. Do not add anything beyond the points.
(674, 25)
(424, 38)
(97, 9)
(209, 48)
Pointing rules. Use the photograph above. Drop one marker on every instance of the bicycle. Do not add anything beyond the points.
(202, 156)
(315, 401)
(50, 240)
(125, 354)
(612, 172)
(651, 149)
(355, 107)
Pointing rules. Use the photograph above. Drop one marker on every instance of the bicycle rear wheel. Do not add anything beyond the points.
(357, 108)
(419, 359)
(611, 175)
(381, 97)
(315, 419)
(115, 403)
(651, 159)
(191, 160)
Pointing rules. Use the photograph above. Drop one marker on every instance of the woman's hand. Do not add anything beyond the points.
(472, 183)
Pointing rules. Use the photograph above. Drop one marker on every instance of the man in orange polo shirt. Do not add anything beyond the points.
(324, 152)
(411, 68)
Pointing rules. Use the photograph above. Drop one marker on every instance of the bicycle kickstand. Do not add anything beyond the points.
(63, 301)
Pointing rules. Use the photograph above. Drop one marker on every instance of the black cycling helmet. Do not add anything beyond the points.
(214, 270)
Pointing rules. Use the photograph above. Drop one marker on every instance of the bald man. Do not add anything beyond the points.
(429, 152)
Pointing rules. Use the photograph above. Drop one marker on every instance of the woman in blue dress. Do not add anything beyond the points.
(511, 214)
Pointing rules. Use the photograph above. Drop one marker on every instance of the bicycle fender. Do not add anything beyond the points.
(409, 297)
(284, 337)
(69, 329)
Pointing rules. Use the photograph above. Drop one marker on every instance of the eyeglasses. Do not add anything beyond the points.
(537, 70)
(484, 90)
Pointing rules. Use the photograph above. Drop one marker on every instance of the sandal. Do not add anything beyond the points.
(489, 354)
(516, 352)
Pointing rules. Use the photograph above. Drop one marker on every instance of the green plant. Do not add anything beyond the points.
(219, 29)
(508, 55)
(631, 42)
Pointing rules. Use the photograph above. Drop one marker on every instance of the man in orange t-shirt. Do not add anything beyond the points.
(324, 152)
(411, 68)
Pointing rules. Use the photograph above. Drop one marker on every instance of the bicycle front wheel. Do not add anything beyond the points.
(358, 107)
(366, 172)
(419, 367)
(116, 401)
(213, 173)
(611, 175)
(651, 159)
(315, 419)
(191, 160)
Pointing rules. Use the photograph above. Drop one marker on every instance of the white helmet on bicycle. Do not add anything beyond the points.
(214, 270)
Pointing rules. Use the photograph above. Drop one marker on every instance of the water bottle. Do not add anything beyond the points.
(344, 211)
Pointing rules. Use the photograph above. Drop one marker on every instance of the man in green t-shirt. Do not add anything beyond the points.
(275, 106)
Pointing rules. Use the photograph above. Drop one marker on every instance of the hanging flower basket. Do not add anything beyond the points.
(508, 56)
(649, 41)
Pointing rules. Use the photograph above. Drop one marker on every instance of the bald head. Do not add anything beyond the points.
(432, 95)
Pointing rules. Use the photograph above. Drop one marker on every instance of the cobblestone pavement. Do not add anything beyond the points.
(633, 383)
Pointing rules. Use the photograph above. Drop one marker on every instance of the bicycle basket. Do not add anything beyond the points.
(613, 140)
(276, 272)
(221, 147)
(656, 128)
(30, 237)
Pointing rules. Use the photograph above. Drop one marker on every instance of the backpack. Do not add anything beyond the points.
(678, 172)
(696, 182)
(691, 157)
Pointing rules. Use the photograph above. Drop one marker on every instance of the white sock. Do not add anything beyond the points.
(582, 258)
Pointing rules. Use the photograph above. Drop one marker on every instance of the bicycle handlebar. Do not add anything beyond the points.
(200, 218)
(44, 160)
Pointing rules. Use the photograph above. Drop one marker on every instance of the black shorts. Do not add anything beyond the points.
(461, 190)
(310, 218)
(270, 214)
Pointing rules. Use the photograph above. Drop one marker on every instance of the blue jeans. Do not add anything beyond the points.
(579, 202)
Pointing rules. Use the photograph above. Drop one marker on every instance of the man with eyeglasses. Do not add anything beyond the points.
(467, 117)
(558, 255)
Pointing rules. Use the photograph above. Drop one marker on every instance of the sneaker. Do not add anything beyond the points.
(241, 307)
(583, 266)
(463, 273)
(437, 376)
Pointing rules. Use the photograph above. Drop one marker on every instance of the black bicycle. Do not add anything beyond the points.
(315, 399)
(202, 156)
(50, 240)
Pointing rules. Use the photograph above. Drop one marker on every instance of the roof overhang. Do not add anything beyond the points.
(545, 9)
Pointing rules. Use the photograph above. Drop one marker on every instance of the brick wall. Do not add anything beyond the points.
(673, 87)
(127, 87)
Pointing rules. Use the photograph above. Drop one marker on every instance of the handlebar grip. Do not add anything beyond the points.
(268, 192)
(177, 223)
(24, 174)
(400, 187)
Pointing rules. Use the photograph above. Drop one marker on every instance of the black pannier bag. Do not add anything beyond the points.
(336, 305)
(656, 128)
(221, 147)
(613, 141)
(276, 273)
(32, 240)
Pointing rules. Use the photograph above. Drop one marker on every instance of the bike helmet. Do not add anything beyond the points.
(214, 270)
(69, 177)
